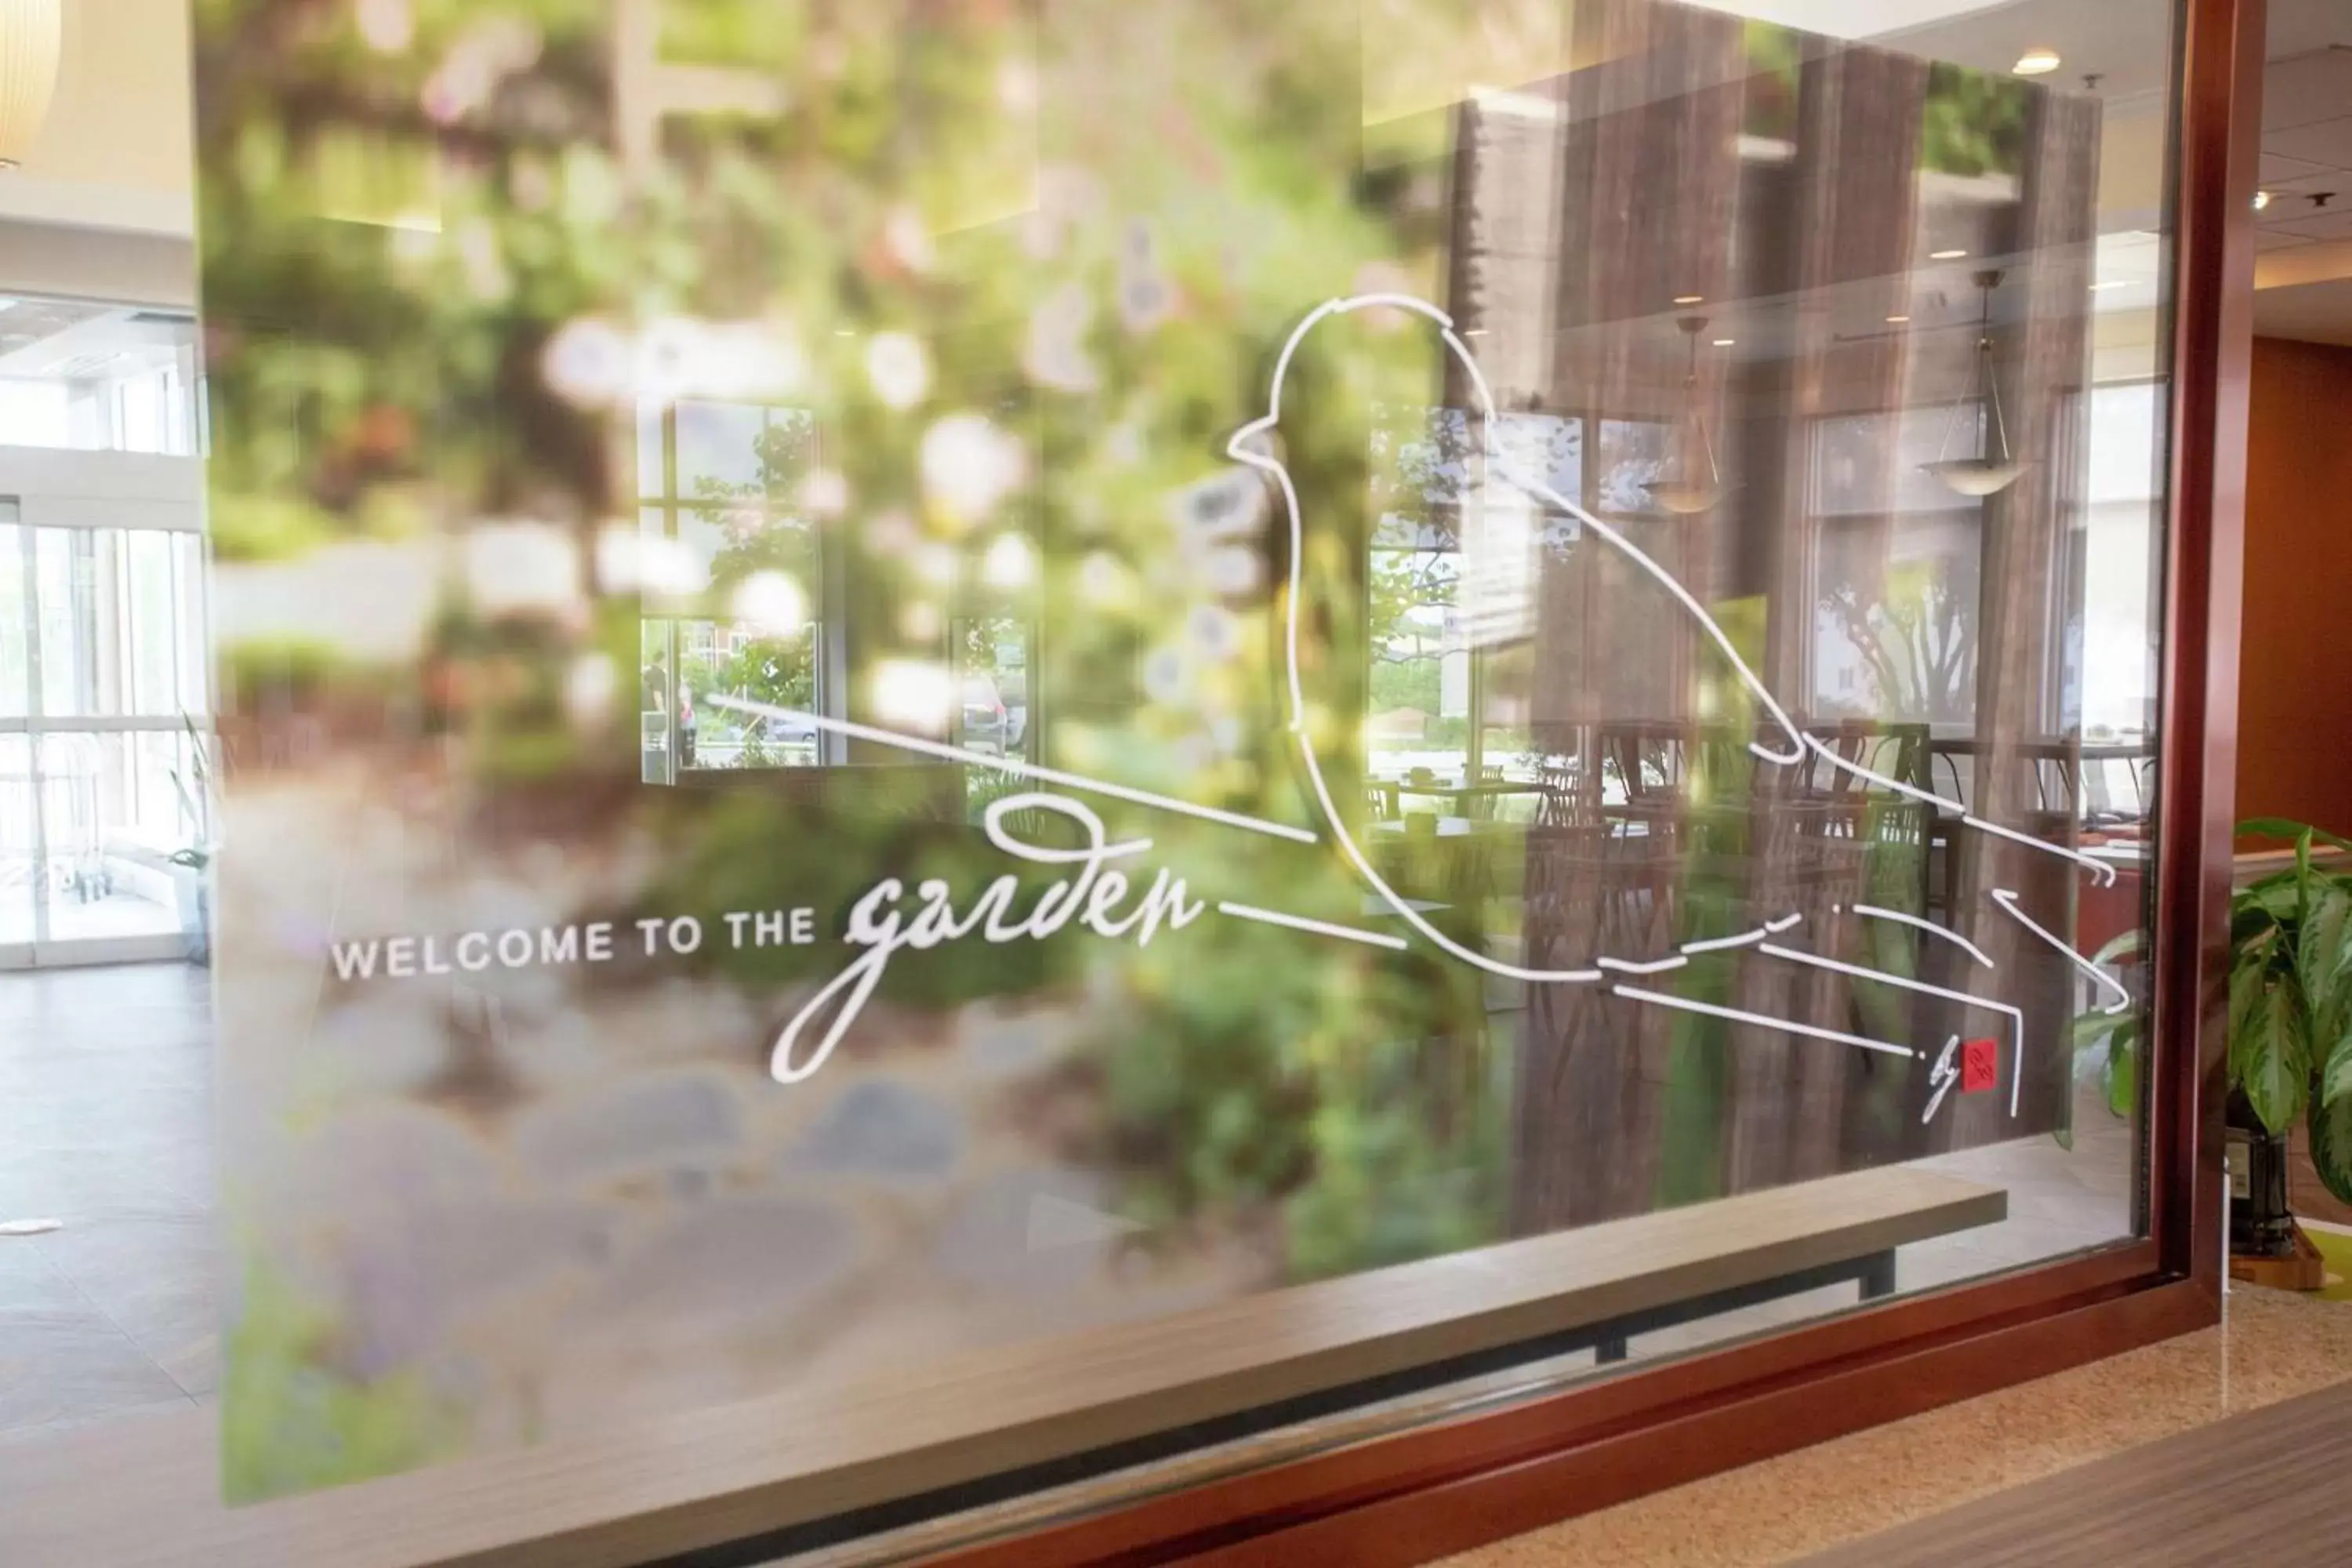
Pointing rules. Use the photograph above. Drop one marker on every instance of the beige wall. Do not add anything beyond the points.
(116, 151)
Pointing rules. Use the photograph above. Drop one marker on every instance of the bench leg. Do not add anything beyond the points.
(1610, 1350)
(1878, 1275)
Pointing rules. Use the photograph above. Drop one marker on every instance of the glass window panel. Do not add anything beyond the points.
(109, 873)
(20, 861)
(719, 449)
(151, 605)
(1655, 741)
(191, 658)
(15, 616)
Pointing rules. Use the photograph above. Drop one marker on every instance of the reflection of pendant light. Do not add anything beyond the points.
(1985, 475)
(31, 34)
(1692, 494)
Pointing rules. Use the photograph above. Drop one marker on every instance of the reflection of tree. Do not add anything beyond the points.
(781, 671)
(1919, 640)
(1974, 124)
(1404, 581)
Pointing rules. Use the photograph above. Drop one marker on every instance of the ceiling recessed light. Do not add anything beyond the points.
(1690, 298)
(1896, 320)
(2037, 62)
(1726, 343)
(1945, 255)
(2262, 200)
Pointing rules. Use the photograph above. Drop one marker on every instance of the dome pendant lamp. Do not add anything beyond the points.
(1984, 474)
(32, 35)
(1692, 494)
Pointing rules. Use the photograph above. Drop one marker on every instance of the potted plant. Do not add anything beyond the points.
(2290, 1034)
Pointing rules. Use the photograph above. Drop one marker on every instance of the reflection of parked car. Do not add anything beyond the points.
(983, 725)
(727, 737)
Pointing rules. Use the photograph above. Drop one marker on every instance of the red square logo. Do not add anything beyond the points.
(1980, 1065)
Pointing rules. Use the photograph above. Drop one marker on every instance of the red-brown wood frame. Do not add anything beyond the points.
(1423, 1494)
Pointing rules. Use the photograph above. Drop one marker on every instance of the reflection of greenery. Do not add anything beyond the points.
(780, 671)
(292, 1422)
(382, 379)
(1975, 123)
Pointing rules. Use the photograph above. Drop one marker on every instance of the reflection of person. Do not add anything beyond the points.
(685, 726)
(656, 685)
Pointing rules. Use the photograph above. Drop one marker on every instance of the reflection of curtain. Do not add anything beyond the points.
(2044, 361)
(1851, 205)
(1808, 244)
(1649, 200)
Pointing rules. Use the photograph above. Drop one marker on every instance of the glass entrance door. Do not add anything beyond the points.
(105, 744)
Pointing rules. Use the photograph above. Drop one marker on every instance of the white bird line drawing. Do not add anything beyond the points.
(2016, 1017)
(1627, 966)
(1320, 928)
(1930, 927)
(1249, 447)
(1784, 1025)
(2007, 900)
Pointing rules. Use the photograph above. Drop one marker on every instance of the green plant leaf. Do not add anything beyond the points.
(2119, 947)
(2276, 1074)
(2331, 1145)
(2279, 894)
(2287, 829)
(2336, 1070)
(2122, 1068)
(2246, 983)
(2323, 958)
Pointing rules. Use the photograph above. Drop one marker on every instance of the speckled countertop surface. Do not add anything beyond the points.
(2274, 1347)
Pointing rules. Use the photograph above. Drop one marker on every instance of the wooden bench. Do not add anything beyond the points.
(143, 1493)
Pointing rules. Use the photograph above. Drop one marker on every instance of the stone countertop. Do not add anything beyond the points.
(2273, 1347)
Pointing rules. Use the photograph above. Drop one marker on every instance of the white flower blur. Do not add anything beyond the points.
(388, 26)
(825, 492)
(1232, 571)
(589, 688)
(1103, 583)
(908, 240)
(921, 621)
(589, 363)
(969, 466)
(1167, 678)
(892, 533)
(628, 562)
(898, 368)
(1215, 633)
(913, 694)
(1010, 563)
(1055, 354)
(521, 567)
(771, 602)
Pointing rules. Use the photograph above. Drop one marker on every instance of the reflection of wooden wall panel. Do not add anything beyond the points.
(2045, 363)
(1651, 174)
(1848, 232)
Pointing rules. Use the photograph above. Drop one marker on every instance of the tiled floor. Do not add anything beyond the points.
(105, 1127)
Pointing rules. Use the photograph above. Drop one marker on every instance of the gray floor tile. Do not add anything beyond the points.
(54, 1371)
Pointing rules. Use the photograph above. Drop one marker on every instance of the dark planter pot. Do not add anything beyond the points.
(2260, 1223)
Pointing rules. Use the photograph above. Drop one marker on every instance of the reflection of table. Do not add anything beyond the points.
(1461, 796)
